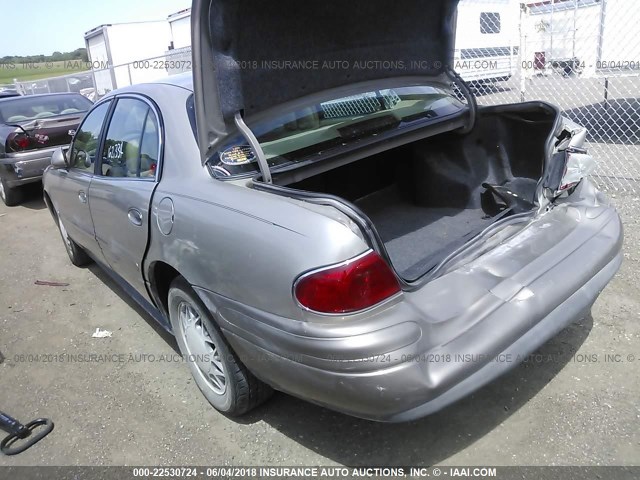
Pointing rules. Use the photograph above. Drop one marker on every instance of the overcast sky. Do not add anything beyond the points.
(43, 26)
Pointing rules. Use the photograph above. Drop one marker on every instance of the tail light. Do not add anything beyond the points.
(18, 142)
(355, 285)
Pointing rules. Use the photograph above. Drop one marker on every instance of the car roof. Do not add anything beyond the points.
(184, 80)
(181, 80)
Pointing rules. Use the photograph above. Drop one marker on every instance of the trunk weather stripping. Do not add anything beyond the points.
(255, 145)
(374, 241)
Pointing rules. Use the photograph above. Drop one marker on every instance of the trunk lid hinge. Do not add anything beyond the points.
(468, 96)
(256, 147)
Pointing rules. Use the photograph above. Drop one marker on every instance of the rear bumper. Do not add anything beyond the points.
(435, 346)
(574, 308)
(28, 167)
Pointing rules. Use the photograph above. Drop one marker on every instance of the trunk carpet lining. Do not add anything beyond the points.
(412, 233)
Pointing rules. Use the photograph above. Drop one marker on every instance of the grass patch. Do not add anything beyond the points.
(25, 72)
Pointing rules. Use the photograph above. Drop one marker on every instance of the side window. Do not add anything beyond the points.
(131, 144)
(87, 138)
(489, 22)
(150, 147)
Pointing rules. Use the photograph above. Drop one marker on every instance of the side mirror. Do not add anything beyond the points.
(59, 158)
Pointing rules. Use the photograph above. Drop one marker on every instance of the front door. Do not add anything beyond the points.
(120, 193)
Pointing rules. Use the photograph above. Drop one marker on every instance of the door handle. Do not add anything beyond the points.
(135, 217)
(82, 196)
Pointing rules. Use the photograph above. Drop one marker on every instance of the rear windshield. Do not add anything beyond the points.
(27, 108)
(313, 130)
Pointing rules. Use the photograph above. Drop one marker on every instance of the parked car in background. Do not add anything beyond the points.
(361, 239)
(7, 92)
(31, 128)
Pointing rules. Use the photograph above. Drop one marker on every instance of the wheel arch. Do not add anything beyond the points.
(161, 275)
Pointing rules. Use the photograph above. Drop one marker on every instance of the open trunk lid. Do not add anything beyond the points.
(252, 55)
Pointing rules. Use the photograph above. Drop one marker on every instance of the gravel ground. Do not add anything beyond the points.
(567, 406)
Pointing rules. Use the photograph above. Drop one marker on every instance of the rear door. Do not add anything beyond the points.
(121, 191)
(70, 187)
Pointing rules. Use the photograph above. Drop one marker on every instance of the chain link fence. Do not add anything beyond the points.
(103, 78)
(143, 70)
(81, 82)
(582, 55)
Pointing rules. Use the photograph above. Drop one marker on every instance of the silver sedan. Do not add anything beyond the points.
(318, 209)
(386, 286)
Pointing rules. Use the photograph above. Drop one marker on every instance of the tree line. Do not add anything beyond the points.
(77, 54)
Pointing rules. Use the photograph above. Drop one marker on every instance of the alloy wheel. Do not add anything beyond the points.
(201, 349)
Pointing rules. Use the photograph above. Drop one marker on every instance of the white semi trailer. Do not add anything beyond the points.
(487, 39)
(123, 54)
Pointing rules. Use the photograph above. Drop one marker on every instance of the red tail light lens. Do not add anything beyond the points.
(349, 287)
(19, 141)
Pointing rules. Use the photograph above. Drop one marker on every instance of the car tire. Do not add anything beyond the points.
(10, 196)
(225, 382)
(77, 255)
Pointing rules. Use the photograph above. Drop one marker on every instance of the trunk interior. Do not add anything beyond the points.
(431, 196)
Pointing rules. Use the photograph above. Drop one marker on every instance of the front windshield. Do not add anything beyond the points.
(296, 136)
